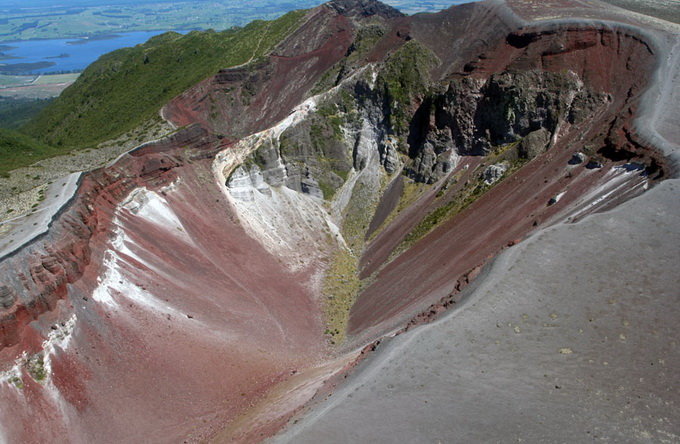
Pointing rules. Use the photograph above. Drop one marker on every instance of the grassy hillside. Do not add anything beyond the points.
(404, 76)
(17, 112)
(126, 87)
(18, 150)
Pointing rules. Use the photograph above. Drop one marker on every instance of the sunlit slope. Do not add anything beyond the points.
(128, 86)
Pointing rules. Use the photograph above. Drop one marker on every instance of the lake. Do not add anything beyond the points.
(50, 56)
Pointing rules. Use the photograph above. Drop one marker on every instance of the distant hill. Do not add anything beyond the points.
(126, 87)
(44, 19)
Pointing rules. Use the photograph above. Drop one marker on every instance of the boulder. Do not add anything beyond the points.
(494, 172)
(594, 164)
(577, 159)
(534, 144)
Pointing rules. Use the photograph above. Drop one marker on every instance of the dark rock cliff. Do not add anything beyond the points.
(364, 8)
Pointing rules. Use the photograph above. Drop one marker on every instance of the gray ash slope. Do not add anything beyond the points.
(569, 337)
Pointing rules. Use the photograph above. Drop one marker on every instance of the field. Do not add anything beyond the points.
(8, 81)
(35, 87)
(76, 21)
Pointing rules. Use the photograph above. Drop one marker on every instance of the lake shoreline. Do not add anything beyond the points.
(67, 55)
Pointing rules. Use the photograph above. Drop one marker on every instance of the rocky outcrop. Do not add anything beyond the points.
(364, 8)
(311, 157)
(493, 173)
(7, 297)
(534, 144)
(541, 96)
(577, 158)
(473, 118)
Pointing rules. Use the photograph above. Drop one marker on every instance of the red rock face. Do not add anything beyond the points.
(243, 100)
(205, 322)
(147, 313)
(175, 332)
(60, 258)
(609, 61)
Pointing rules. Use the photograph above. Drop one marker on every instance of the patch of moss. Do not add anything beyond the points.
(411, 192)
(327, 189)
(341, 173)
(404, 76)
(331, 118)
(358, 215)
(367, 37)
(17, 382)
(347, 101)
(36, 367)
(340, 288)
(335, 167)
(499, 152)
(316, 133)
(436, 217)
(365, 40)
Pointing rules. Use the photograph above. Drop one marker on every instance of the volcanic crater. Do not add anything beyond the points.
(325, 202)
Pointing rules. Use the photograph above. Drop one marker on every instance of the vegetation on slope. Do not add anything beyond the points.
(128, 86)
(18, 150)
(341, 286)
(466, 196)
(15, 113)
(365, 40)
(404, 77)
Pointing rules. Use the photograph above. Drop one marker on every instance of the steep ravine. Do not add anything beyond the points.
(347, 186)
(485, 159)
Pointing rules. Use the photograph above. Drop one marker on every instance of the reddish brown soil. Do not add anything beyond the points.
(223, 321)
(230, 320)
(243, 100)
(607, 60)
(230, 316)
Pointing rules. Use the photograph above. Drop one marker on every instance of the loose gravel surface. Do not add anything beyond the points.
(571, 337)
(20, 191)
(31, 196)
(36, 219)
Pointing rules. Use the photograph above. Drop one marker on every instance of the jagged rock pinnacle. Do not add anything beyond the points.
(364, 8)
